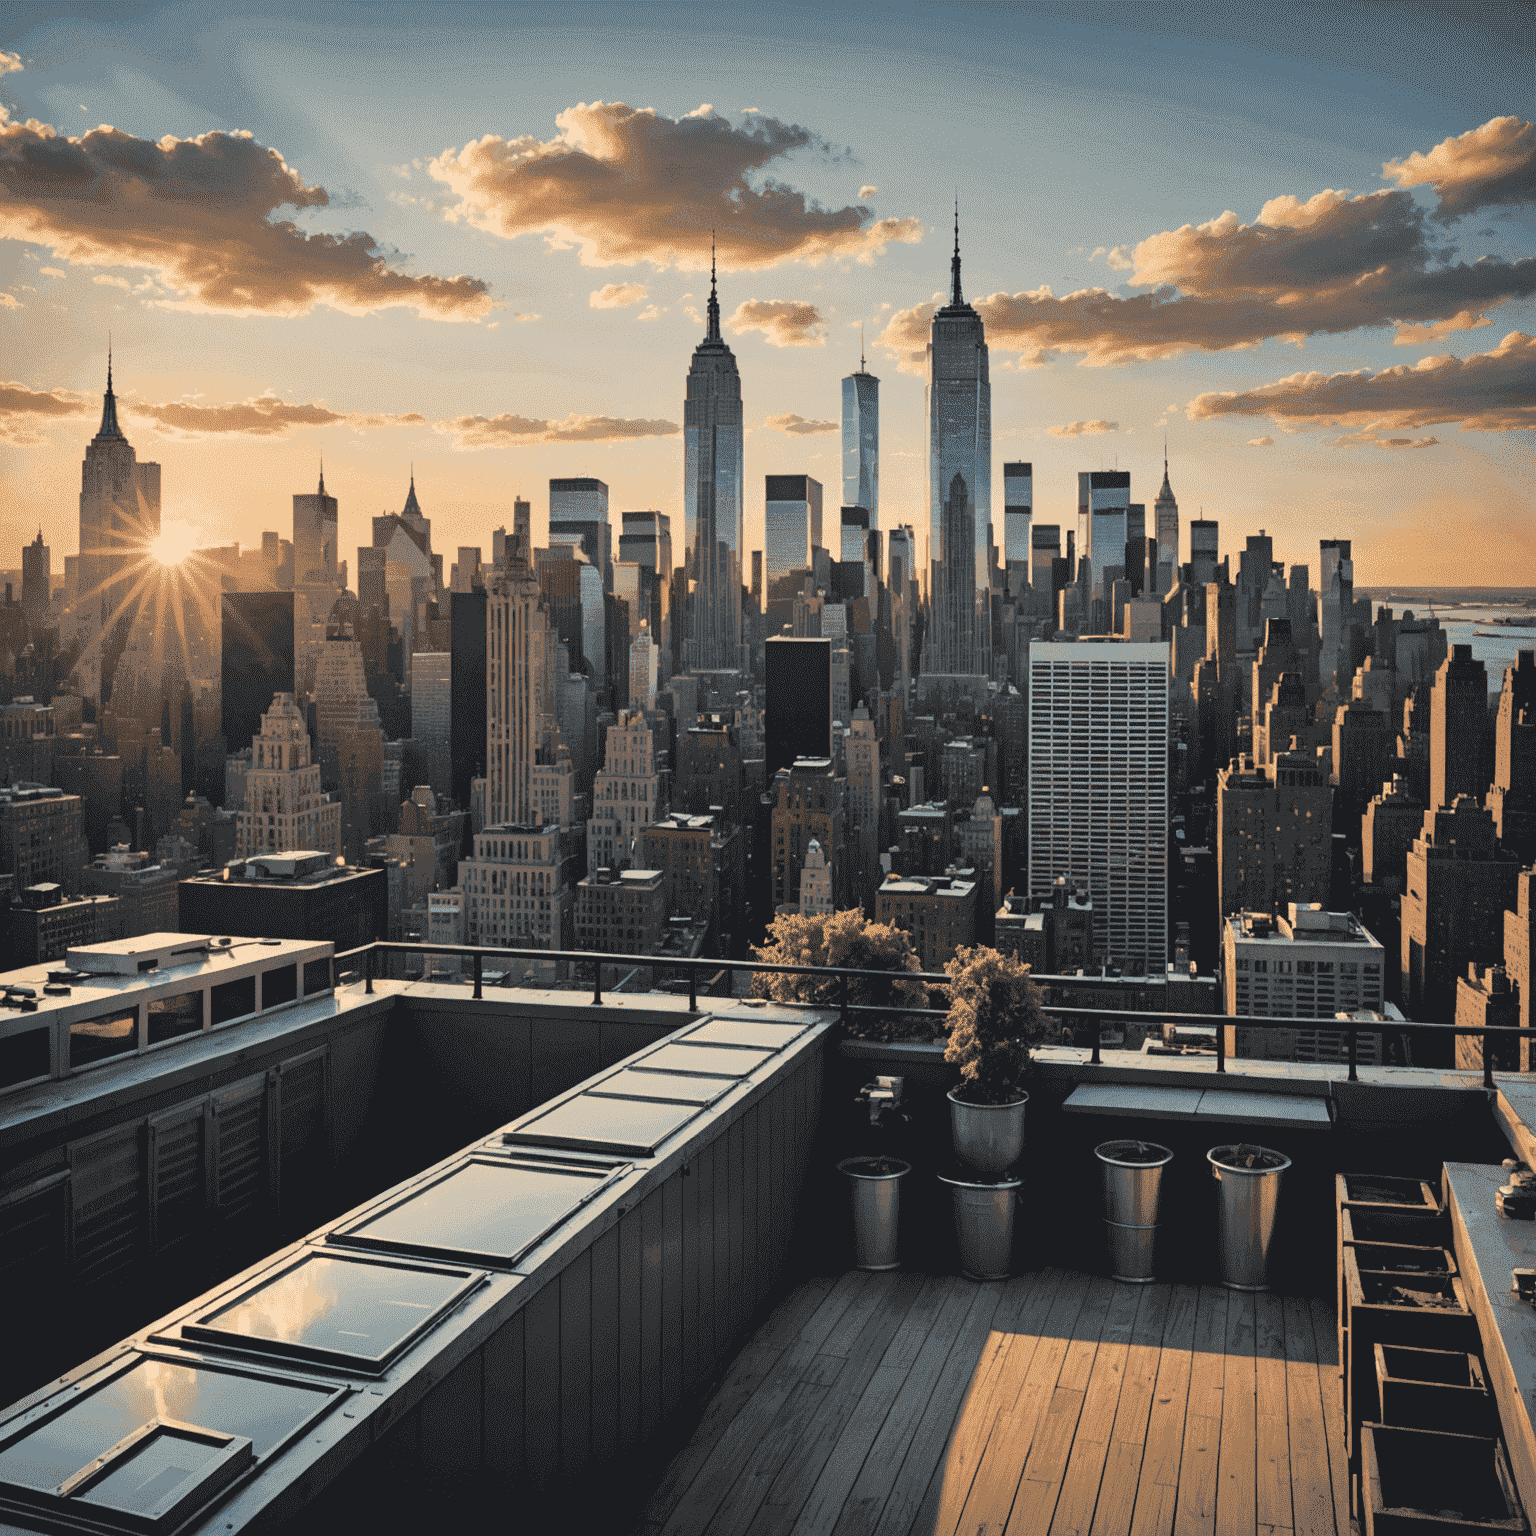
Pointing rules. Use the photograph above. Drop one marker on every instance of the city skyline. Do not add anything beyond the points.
(238, 383)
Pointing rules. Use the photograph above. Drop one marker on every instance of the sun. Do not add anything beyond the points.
(175, 541)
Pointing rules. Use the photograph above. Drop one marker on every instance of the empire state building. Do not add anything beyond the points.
(959, 637)
(713, 492)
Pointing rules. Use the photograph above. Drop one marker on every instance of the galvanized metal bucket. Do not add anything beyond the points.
(983, 1224)
(988, 1137)
(1133, 1193)
(874, 1185)
(1246, 1202)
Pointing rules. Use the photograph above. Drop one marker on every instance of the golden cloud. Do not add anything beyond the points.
(509, 431)
(785, 322)
(616, 295)
(198, 213)
(1369, 437)
(628, 185)
(1488, 392)
(798, 426)
(1494, 165)
(1084, 428)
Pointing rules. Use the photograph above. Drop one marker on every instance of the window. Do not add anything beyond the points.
(279, 985)
(100, 1039)
(173, 1016)
(234, 999)
(25, 1056)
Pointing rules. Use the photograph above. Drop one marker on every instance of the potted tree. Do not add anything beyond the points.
(994, 1018)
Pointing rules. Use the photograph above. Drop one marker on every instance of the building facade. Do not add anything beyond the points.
(938, 911)
(1274, 830)
(283, 804)
(514, 895)
(861, 442)
(621, 912)
(42, 837)
(627, 795)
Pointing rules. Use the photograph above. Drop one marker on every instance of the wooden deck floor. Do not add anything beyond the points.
(1052, 1403)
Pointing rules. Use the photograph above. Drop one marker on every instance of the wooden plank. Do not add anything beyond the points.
(737, 1448)
(605, 1347)
(812, 1451)
(1201, 1449)
(1103, 1329)
(575, 1286)
(1237, 1471)
(1311, 1484)
(1165, 1422)
(911, 1440)
(1273, 1438)
(980, 1469)
(1116, 1504)
(824, 1505)
(1331, 1383)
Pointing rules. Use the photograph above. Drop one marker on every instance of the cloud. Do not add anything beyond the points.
(868, 192)
(1332, 264)
(1119, 259)
(650, 312)
(106, 280)
(616, 295)
(516, 431)
(1491, 166)
(9, 301)
(1426, 335)
(629, 185)
(1368, 437)
(523, 319)
(10, 63)
(785, 322)
(798, 426)
(262, 416)
(51, 271)
(1261, 442)
(199, 214)
(1489, 392)
(1084, 428)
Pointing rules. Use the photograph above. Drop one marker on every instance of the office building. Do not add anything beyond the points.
(959, 635)
(815, 883)
(578, 519)
(1512, 799)
(349, 739)
(627, 796)
(703, 875)
(1103, 513)
(854, 545)
(810, 803)
(1486, 999)
(1018, 513)
(1053, 934)
(1044, 551)
(145, 890)
(1204, 550)
(45, 924)
(283, 806)
(1274, 831)
(520, 688)
(861, 442)
(1098, 788)
(292, 894)
(36, 583)
(515, 896)
(314, 539)
(257, 660)
(1389, 828)
(28, 733)
(467, 692)
(1165, 511)
(643, 664)
(1458, 723)
(798, 679)
(865, 803)
(466, 574)
(42, 837)
(792, 528)
(938, 911)
(432, 715)
(621, 912)
(713, 495)
(1520, 942)
(711, 769)
(1457, 889)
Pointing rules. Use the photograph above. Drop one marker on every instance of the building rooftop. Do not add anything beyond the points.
(1302, 925)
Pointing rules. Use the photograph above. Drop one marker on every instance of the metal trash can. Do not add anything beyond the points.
(1247, 1198)
(984, 1210)
(1133, 1192)
(874, 1185)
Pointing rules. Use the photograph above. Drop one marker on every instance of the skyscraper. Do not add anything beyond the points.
(284, 808)
(1458, 722)
(1166, 511)
(959, 633)
(713, 492)
(36, 581)
(798, 675)
(578, 516)
(1018, 511)
(1103, 510)
(791, 528)
(257, 660)
(520, 693)
(314, 538)
(467, 694)
(432, 715)
(861, 442)
(1098, 787)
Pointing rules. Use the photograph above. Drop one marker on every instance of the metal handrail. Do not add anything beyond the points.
(1351, 1028)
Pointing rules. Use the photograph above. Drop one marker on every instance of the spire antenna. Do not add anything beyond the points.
(861, 347)
(955, 297)
(714, 296)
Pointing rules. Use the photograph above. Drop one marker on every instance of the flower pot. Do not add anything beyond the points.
(983, 1222)
(988, 1137)
(1246, 1202)
(875, 1188)
(1133, 1192)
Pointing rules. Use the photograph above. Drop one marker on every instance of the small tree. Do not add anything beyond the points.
(994, 1019)
(849, 941)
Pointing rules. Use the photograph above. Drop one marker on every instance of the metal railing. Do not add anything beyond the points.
(1096, 1017)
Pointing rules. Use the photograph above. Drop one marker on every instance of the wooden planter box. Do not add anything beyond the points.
(1437, 1389)
(1387, 1258)
(1381, 1313)
(1416, 1482)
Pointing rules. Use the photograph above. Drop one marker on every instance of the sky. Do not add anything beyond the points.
(1296, 240)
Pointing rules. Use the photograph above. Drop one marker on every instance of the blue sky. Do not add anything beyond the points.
(1065, 130)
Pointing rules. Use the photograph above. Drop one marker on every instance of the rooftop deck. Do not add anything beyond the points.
(1053, 1402)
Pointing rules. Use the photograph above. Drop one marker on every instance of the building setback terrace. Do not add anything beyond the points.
(419, 1258)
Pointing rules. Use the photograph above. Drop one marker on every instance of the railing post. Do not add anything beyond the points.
(1354, 1056)
(693, 989)
(597, 983)
(1221, 1047)
(1096, 1060)
(478, 958)
(1487, 1061)
(368, 970)
(730, 981)
(843, 993)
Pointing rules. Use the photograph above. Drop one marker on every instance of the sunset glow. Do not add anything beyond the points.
(175, 542)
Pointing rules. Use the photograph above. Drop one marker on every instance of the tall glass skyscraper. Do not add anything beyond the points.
(713, 491)
(959, 487)
(791, 529)
(861, 442)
